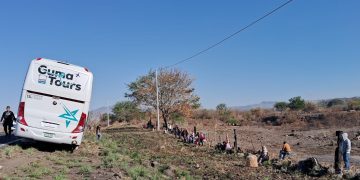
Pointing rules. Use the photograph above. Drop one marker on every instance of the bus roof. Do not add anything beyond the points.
(68, 65)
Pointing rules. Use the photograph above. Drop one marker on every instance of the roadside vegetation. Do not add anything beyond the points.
(126, 151)
(179, 104)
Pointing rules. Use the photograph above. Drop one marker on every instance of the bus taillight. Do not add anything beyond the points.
(80, 127)
(21, 113)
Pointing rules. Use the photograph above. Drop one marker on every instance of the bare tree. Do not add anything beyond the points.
(176, 93)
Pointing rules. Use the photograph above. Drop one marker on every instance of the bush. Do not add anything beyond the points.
(109, 153)
(289, 118)
(310, 107)
(163, 168)
(85, 169)
(335, 102)
(138, 172)
(126, 111)
(221, 108)
(104, 117)
(296, 103)
(183, 174)
(257, 112)
(232, 121)
(281, 106)
(177, 117)
(223, 112)
(203, 114)
(354, 105)
(59, 177)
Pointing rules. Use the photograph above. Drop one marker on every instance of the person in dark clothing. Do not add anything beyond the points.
(178, 135)
(150, 125)
(8, 117)
(98, 133)
(175, 131)
(186, 135)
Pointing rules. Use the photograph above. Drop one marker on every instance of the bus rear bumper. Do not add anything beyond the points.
(47, 135)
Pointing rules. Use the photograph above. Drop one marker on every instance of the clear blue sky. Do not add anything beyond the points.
(309, 48)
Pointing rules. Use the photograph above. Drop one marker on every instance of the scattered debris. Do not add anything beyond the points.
(292, 135)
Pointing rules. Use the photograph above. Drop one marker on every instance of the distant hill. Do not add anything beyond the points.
(262, 105)
(96, 113)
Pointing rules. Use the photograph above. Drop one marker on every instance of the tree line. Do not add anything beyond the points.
(178, 101)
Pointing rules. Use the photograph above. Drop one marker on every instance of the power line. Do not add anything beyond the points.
(230, 36)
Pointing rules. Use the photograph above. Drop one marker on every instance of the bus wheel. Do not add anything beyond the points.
(74, 148)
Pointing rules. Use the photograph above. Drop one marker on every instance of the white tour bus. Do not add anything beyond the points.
(55, 102)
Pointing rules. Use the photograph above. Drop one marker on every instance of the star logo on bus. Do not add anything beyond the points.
(69, 116)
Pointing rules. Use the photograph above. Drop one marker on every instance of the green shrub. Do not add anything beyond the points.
(59, 177)
(138, 171)
(10, 150)
(39, 172)
(85, 169)
(232, 121)
(266, 163)
(281, 106)
(163, 168)
(110, 160)
(296, 103)
(183, 174)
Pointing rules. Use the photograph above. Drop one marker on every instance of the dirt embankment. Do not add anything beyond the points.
(134, 153)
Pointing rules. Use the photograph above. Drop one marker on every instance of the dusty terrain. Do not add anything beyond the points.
(135, 153)
(318, 143)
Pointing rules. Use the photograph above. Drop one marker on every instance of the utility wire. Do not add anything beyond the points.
(230, 36)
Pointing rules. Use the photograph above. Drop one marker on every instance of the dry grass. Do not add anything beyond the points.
(134, 153)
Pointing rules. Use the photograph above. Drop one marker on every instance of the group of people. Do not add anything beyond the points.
(284, 153)
(197, 138)
(345, 150)
(226, 146)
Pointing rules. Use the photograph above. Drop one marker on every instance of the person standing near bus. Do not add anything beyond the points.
(98, 133)
(8, 117)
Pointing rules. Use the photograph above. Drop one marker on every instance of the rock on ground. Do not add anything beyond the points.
(252, 161)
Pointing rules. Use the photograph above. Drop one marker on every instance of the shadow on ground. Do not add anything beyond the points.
(42, 146)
